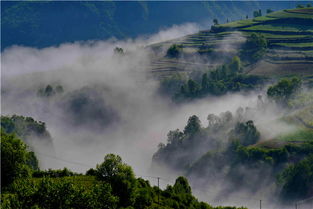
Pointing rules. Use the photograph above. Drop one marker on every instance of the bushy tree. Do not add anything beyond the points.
(300, 6)
(215, 21)
(174, 51)
(119, 50)
(193, 125)
(120, 176)
(245, 133)
(182, 186)
(254, 47)
(257, 13)
(235, 65)
(297, 180)
(284, 89)
(16, 160)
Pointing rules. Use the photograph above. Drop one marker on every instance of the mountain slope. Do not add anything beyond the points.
(289, 34)
(46, 23)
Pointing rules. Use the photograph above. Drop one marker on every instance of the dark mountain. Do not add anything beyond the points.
(42, 24)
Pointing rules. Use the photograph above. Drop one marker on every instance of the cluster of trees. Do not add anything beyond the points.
(185, 147)
(297, 179)
(54, 173)
(25, 127)
(254, 48)
(112, 184)
(49, 90)
(284, 90)
(239, 165)
(245, 133)
(219, 81)
(119, 50)
(17, 160)
(227, 149)
(257, 13)
(302, 6)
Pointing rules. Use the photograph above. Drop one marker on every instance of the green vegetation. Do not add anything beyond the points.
(50, 91)
(25, 127)
(257, 13)
(174, 51)
(111, 185)
(119, 50)
(229, 150)
(226, 78)
(245, 133)
(284, 90)
(254, 48)
(277, 44)
(301, 135)
(16, 159)
(297, 179)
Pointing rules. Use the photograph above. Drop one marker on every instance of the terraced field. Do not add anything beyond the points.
(290, 45)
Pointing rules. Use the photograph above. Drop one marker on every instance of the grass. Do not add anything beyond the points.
(239, 23)
(281, 27)
(290, 14)
(301, 135)
(309, 44)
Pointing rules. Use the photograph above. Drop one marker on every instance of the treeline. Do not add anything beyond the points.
(112, 184)
(183, 148)
(226, 78)
(26, 128)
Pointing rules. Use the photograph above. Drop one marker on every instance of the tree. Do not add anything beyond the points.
(300, 6)
(173, 137)
(235, 65)
(193, 87)
(245, 133)
(215, 21)
(174, 51)
(269, 11)
(193, 125)
(257, 13)
(49, 91)
(119, 50)
(254, 48)
(284, 89)
(182, 186)
(297, 180)
(213, 120)
(205, 82)
(120, 176)
(16, 160)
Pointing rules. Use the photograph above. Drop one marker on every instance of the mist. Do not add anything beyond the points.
(122, 111)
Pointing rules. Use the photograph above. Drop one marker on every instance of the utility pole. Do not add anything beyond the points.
(260, 204)
(159, 190)
(296, 205)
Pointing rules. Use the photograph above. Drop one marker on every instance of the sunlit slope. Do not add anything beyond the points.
(290, 43)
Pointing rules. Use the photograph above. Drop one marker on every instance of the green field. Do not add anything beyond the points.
(290, 43)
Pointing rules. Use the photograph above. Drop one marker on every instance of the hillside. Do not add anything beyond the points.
(289, 34)
(47, 23)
